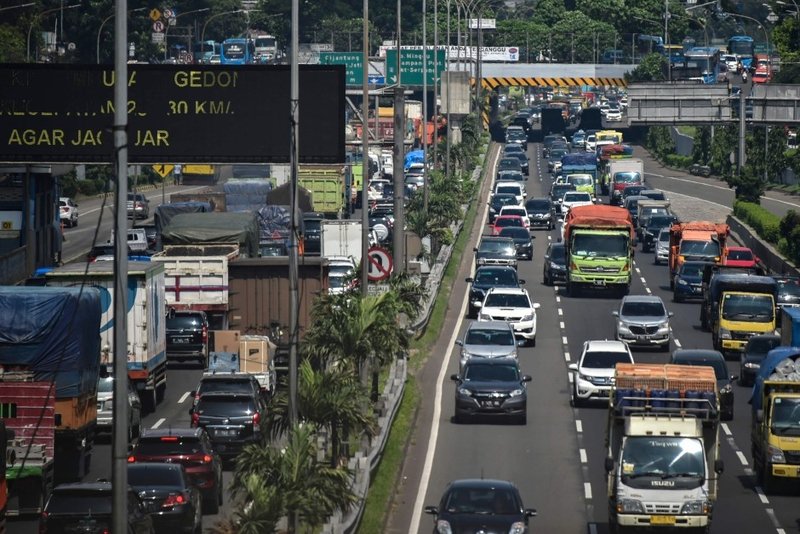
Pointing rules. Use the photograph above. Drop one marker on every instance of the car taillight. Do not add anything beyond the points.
(207, 459)
(256, 418)
(205, 334)
(131, 459)
(195, 419)
(173, 499)
(43, 523)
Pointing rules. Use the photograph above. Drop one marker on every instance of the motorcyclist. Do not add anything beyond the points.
(744, 75)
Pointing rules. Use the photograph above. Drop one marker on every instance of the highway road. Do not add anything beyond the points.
(557, 458)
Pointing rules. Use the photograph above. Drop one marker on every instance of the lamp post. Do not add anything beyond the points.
(179, 15)
(796, 12)
(111, 16)
(35, 19)
(212, 17)
(29, 4)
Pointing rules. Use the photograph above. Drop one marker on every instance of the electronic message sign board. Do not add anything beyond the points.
(185, 113)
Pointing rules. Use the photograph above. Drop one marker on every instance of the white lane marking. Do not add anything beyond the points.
(425, 478)
(561, 325)
(558, 299)
(578, 426)
(560, 311)
(638, 271)
(587, 490)
(742, 457)
(582, 453)
(677, 343)
(111, 199)
(567, 357)
(644, 281)
(183, 398)
(564, 340)
(592, 528)
(761, 496)
(570, 378)
(159, 423)
(726, 429)
(647, 290)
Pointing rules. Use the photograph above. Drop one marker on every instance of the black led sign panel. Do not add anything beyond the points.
(176, 113)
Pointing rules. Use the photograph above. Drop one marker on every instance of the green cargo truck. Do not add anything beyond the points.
(326, 183)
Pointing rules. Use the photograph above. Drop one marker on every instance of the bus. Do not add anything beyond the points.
(703, 64)
(266, 48)
(203, 51)
(237, 51)
(743, 47)
(673, 52)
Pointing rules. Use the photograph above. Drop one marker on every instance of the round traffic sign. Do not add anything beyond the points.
(380, 264)
(169, 13)
(158, 26)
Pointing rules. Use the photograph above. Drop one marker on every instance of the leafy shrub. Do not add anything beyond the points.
(676, 160)
(765, 223)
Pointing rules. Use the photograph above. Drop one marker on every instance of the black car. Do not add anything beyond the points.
(480, 505)
(522, 240)
(547, 142)
(700, 170)
(232, 420)
(189, 447)
(652, 229)
(509, 164)
(496, 251)
(491, 387)
(688, 281)
(173, 502)
(497, 202)
(788, 290)
(187, 336)
(714, 359)
(226, 382)
(555, 264)
(522, 157)
(754, 353)
(85, 508)
(517, 136)
(541, 212)
(557, 193)
(522, 121)
(312, 234)
(632, 190)
(486, 278)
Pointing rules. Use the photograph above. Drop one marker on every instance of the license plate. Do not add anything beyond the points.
(491, 404)
(181, 340)
(662, 520)
(223, 433)
(642, 338)
(599, 282)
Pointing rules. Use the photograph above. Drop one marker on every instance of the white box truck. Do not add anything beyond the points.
(341, 238)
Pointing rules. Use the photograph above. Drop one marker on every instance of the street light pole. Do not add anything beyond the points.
(365, 161)
(29, 4)
(111, 16)
(179, 15)
(399, 232)
(449, 90)
(35, 19)
(424, 106)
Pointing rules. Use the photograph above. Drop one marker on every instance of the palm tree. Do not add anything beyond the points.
(308, 490)
(260, 513)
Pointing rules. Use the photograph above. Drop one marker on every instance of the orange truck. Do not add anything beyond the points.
(696, 240)
(763, 72)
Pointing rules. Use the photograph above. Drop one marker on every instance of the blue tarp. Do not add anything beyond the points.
(774, 357)
(415, 156)
(579, 158)
(54, 332)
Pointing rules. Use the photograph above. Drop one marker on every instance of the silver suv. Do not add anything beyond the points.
(643, 320)
(487, 339)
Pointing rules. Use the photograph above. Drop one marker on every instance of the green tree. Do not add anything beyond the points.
(651, 69)
(724, 144)
(748, 184)
(12, 44)
(786, 38)
(701, 150)
(577, 36)
(548, 12)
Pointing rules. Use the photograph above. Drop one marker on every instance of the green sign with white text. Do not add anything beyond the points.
(411, 66)
(353, 62)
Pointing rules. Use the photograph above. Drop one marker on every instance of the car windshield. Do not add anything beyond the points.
(312, 225)
(642, 309)
(491, 373)
(663, 237)
(627, 178)
(481, 336)
(756, 308)
(604, 360)
(105, 385)
(502, 222)
(497, 277)
(537, 205)
(558, 253)
(692, 269)
(699, 248)
(789, 288)
(603, 246)
(786, 416)
(77, 501)
(515, 232)
(507, 300)
(579, 180)
(228, 385)
(644, 456)
(559, 190)
(742, 255)
(514, 211)
(509, 189)
(485, 501)
(149, 476)
(577, 197)
(168, 446)
(762, 345)
(558, 153)
(658, 221)
(509, 163)
(183, 322)
(226, 405)
(503, 199)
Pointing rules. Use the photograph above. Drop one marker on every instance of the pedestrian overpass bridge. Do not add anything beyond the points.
(494, 75)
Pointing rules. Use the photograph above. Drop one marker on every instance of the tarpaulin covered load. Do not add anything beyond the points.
(246, 195)
(54, 332)
(165, 212)
(280, 196)
(598, 217)
(782, 364)
(414, 156)
(578, 158)
(214, 227)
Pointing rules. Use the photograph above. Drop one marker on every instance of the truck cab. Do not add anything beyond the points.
(741, 306)
(696, 240)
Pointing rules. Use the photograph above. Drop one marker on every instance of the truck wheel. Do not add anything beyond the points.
(768, 482)
(149, 400)
(211, 506)
(161, 390)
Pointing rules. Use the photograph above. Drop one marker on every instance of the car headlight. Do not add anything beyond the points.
(724, 333)
(752, 365)
(664, 327)
(484, 317)
(775, 455)
(629, 506)
(528, 317)
(546, 215)
(443, 527)
(584, 377)
(517, 392)
(492, 210)
(517, 528)
(556, 266)
(682, 282)
(623, 328)
(481, 261)
(726, 389)
(465, 392)
(695, 508)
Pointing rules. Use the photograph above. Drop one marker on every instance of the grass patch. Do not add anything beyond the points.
(688, 130)
(384, 483)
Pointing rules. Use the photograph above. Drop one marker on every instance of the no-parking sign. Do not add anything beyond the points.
(380, 264)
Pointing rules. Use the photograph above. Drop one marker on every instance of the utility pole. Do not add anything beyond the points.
(479, 73)
(294, 135)
(424, 107)
(119, 444)
(449, 90)
(398, 235)
(742, 131)
(666, 40)
(435, 83)
(365, 151)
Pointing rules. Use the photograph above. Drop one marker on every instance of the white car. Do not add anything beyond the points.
(517, 210)
(68, 212)
(575, 198)
(662, 247)
(593, 375)
(591, 143)
(511, 188)
(514, 306)
(614, 115)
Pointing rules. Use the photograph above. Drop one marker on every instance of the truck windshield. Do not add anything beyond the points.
(699, 248)
(601, 246)
(786, 416)
(647, 458)
(627, 178)
(753, 308)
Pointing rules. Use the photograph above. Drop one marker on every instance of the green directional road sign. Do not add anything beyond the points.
(352, 60)
(411, 66)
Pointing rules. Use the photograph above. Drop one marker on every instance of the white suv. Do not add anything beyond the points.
(593, 375)
(514, 306)
(68, 211)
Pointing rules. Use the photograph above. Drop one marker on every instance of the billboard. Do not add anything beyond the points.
(187, 113)
(488, 53)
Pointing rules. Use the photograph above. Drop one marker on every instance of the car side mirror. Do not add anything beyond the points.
(527, 378)
(573, 367)
(469, 280)
(192, 394)
(615, 313)
(719, 466)
(459, 343)
(521, 282)
(475, 249)
(530, 512)
(432, 510)
(533, 237)
(454, 377)
(734, 378)
(670, 314)
(609, 464)
(478, 304)
(536, 305)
